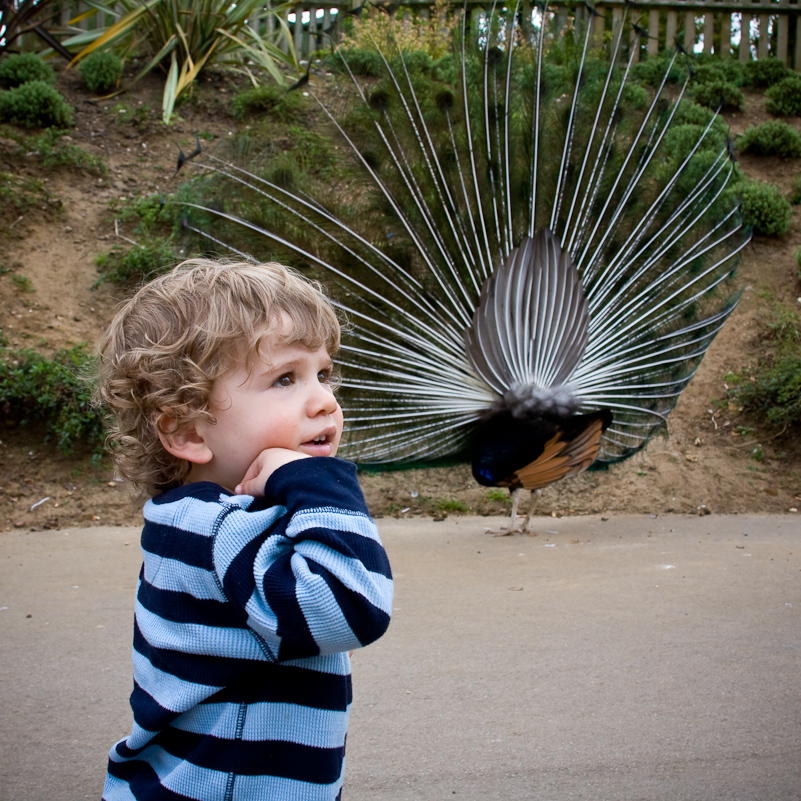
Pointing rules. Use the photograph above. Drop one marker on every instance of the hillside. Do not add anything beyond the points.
(711, 460)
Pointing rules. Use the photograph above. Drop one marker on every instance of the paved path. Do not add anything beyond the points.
(630, 659)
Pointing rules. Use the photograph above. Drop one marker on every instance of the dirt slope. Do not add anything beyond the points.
(704, 464)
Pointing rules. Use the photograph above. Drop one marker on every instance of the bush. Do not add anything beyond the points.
(34, 387)
(101, 71)
(765, 72)
(35, 104)
(21, 68)
(716, 69)
(784, 98)
(719, 94)
(795, 191)
(772, 138)
(774, 388)
(764, 209)
(140, 263)
(271, 100)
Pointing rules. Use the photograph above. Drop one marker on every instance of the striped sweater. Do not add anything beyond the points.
(245, 612)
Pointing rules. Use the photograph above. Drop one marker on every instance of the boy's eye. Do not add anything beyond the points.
(284, 381)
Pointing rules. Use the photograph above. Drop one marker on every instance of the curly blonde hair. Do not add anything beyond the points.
(178, 334)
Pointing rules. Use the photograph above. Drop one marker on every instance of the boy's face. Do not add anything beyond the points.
(285, 401)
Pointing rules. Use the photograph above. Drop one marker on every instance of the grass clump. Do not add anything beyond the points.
(772, 138)
(784, 98)
(35, 104)
(101, 71)
(20, 68)
(141, 262)
(34, 387)
(773, 389)
(271, 100)
(764, 209)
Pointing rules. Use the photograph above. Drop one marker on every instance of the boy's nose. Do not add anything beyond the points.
(321, 399)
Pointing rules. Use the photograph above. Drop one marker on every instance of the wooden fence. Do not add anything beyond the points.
(747, 30)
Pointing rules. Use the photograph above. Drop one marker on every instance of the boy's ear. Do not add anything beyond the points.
(183, 442)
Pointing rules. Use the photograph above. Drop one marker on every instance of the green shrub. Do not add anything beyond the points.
(795, 191)
(771, 138)
(101, 71)
(773, 389)
(34, 387)
(652, 70)
(21, 68)
(715, 69)
(35, 104)
(271, 100)
(359, 60)
(765, 72)
(719, 94)
(784, 98)
(139, 263)
(764, 208)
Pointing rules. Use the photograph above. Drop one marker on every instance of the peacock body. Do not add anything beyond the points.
(535, 258)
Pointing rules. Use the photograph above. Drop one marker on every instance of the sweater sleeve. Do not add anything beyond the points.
(309, 571)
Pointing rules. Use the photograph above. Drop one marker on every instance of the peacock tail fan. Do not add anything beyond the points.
(526, 231)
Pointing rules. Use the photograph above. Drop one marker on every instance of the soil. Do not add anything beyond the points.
(712, 460)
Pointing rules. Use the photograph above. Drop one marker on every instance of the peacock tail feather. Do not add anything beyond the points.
(532, 232)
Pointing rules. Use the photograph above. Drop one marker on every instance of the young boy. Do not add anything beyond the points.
(262, 567)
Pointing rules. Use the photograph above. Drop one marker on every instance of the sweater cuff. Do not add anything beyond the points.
(316, 482)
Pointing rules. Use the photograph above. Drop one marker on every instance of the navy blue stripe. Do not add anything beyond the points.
(354, 546)
(239, 581)
(291, 685)
(247, 758)
(181, 607)
(366, 621)
(173, 543)
(143, 781)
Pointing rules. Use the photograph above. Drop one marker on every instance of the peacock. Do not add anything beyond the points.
(537, 251)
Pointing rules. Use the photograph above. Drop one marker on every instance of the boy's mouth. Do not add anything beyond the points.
(321, 445)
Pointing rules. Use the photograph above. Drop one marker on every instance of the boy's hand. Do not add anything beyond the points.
(264, 465)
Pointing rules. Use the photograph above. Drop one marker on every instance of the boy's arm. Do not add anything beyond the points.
(319, 581)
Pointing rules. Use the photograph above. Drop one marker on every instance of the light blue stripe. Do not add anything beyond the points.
(203, 784)
(194, 638)
(376, 587)
(139, 737)
(237, 530)
(117, 790)
(168, 691)
(188, 514)
(248, 788)
(289, 723)
(176, 576)
(324, 617)
(334, 519)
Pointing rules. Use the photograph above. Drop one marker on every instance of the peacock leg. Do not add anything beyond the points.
(510, 529)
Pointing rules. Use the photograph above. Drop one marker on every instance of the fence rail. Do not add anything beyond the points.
(746, 30)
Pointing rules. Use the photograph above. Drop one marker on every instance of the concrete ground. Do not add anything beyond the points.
(635, 658)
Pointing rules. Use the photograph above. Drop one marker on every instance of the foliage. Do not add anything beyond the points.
(764, 208)
(719, 93)
(795, 191)
(139, 263)
(652, 70)
(431, 36)
(773, 389)
(52, 390)
(184, 37)
(784, 98)
(101, 71)
(712, 69)
(20, 68)
(35, 104)
(55, 150)
(765, 72)
(273, 100)
(771, 138)
(19, 193)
